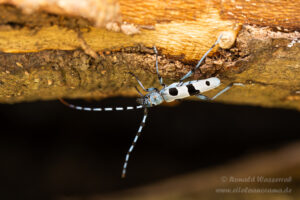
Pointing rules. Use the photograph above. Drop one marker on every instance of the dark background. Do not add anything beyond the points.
(47, 149)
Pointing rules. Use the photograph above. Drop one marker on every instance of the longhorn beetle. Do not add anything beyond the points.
(168, 93)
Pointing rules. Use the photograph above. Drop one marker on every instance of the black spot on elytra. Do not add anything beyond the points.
(207, 83)
(173, 91)
(192, 90)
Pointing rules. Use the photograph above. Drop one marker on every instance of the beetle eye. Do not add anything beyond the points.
(207, 83)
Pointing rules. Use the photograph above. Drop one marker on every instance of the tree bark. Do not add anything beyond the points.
(41, 56)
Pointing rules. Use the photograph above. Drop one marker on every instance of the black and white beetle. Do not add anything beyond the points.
(168, 93)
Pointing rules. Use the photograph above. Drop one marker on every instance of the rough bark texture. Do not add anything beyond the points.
(264, 60)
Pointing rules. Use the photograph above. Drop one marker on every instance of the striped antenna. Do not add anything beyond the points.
(84, 108)
(156, 66)
(225, 89)
(200, 61)
(134, 142)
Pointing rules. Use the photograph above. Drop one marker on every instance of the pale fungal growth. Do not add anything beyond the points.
(228, 37)
(227, 40)
(294, 41)
(113, 26)
(129, 29)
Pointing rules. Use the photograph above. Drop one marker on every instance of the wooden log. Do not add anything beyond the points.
(41, 60)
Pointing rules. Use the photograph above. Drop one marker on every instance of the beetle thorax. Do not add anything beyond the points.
(151, 99)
